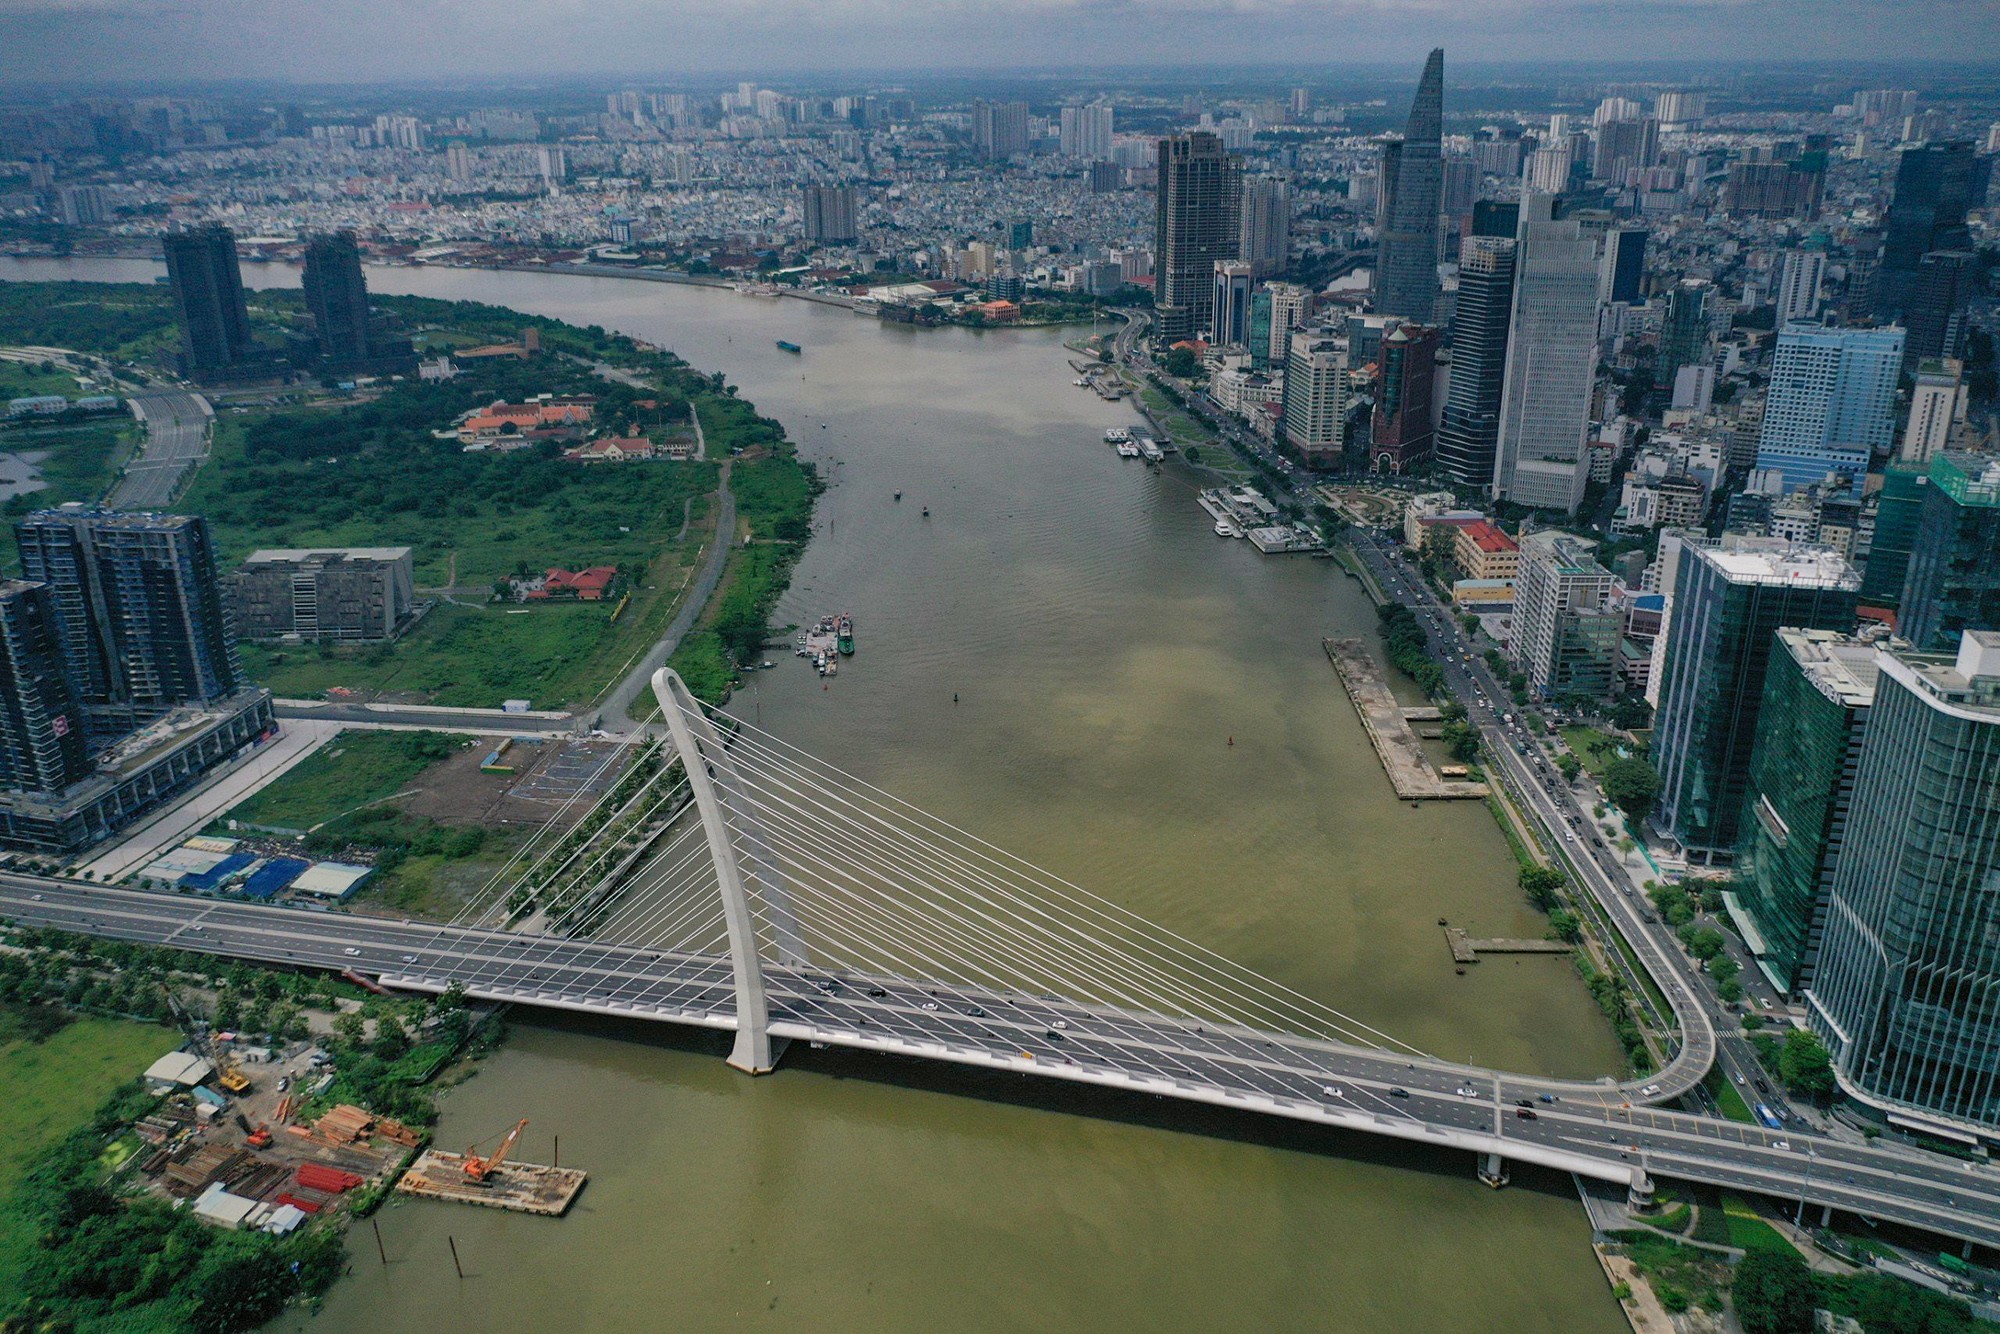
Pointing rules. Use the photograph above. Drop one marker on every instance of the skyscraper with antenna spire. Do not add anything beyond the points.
(1406, 281)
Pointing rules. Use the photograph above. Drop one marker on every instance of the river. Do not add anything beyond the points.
(1142, 708)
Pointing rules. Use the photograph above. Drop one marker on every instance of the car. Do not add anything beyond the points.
(1550, 1097)
(1782, 1144)
(1464, 1091)
(976, 1012)
(1650, 1090)
(1054, 1036)
(1522, 1102)
(1399, 1093)
(284, 1082)
(1332, 1091)
(1059, 1023)
(1527, 1114)
(36, 897)
(877, 992)
(351, 952)
(409, 958)
(1739, 1079)
(930, 1005)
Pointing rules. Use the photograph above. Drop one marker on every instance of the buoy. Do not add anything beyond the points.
(954, 697)
(1232, 741)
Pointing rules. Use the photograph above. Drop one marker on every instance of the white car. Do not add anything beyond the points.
(1650, 1090)
(409, 958)
(351, 952)
(1465, 1092)
(1784, 1144)
(1059, 1023)
(1333, 1091)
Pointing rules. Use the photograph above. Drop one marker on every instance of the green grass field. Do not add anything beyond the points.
(52, 1087)
(20, 379)
(1749, 1231)
(1593, 747)
(352, 770)
(1729, 1099)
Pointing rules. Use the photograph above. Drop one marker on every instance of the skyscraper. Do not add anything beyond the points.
(1727, 607)
(829, 214)
(1625, 145)
(1291, 308)
(1831, 402)
(1086, 132)
(1000, 129)
(1551, 363)
(1568, 634)
(337, 295)
(1818, 689)
(1903, 994)
(1936, 404)
(1315, 404)
(1946, 280)
(41, 726)
(1406, 280)
(144, 628)
(1469, 433)
(1684, 334)
(1401, 438)
(554, 161)
(1231, 304)
(1198, 220)
(1267, 226)
(1953, 583)
(458, 163)
(208, 299)
(1624, 269)
(1799, 279)
(1936, 184)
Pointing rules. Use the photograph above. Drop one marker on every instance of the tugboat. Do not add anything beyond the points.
(844, 634)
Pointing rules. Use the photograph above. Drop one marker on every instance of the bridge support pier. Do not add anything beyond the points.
(1493, 1170)
(1639, 1192)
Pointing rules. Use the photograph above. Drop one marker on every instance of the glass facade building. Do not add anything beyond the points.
(1899, 508)
(1953, 584)
(1729, 604)
(1907, 990)
(1810, 726)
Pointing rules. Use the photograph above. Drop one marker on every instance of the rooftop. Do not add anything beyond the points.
(1842, 667)
(270, 554)
(1796, 565)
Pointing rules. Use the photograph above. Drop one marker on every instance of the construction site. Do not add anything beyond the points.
(492, 1181)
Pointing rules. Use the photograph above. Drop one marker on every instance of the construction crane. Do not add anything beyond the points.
(479, 1169)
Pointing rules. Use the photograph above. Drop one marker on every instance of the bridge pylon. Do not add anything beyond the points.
(1493, 1170)
(706, 759)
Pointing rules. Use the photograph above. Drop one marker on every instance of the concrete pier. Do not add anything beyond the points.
(1388, 727)
(1467, 949)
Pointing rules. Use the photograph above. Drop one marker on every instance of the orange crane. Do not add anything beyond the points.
(478, 1169)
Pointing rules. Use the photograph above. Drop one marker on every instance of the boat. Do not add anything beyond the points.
(844, 634)
(784, 346)
(899, 495)
(1224, 528)
(1128, 451)
(927, 511)
(1153, 453)
(1117, 435)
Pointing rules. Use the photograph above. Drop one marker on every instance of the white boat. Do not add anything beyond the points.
(1151, 450)
(1128, 450)
(1226, 529)
(1117, 435)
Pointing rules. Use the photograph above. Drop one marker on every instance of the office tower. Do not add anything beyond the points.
(82, 205)
(1469, 434)
(1799, 279)
(1266, 243)
(337, 296)
(143, 624)
(1260, 328)
(1551, 363)
(1106, 178)
(1316, 377)
(1937, 404)
(1953, 583)
(1302, 103)
(1459, 190)
(41, 724)
(1946, 280)
(1496, 217)
(1000, 129)
(1625, 145)
(1899, 508)
(458, 163)
(1401, 438)
(208, 299)
(1684, 334)
(1623, 274)
(1936, 184)
(1728, 605)
(1198, 220)
(1406, 279)
(1231, 304)
(554, 163)
(1086, 132)
(1566, 631)
(1774, 189)
(1021, 234)
(1291, 310)
(1811, 721)
(1679, 112)
(829, 214)
(1903, 993)
(1831, 401)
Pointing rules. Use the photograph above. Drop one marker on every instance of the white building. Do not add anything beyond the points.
(1551, 363)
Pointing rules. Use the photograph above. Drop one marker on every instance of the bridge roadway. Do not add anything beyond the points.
(1602, 1130)
(177, 425)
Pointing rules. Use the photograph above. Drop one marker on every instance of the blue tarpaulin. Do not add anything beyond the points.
(272, 876)
(207, 881)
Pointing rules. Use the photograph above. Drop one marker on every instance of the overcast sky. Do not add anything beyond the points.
(364, 40)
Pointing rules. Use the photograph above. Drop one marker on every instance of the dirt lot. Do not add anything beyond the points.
(548, 775)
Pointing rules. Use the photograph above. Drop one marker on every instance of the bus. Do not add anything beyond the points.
(1768, 1118)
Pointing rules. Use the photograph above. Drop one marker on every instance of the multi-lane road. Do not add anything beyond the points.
(1603, 1130)
(177, 425)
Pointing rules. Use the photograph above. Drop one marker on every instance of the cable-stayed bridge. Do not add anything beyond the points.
(731, 881)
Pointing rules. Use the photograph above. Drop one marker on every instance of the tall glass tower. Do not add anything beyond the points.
(1470, 431)
(1406, 282)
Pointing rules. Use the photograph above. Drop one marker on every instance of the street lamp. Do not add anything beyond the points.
(1799, 1219)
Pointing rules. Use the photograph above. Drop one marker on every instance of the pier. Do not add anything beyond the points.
(1388, 726)
(1467, 949)
(522, 1188)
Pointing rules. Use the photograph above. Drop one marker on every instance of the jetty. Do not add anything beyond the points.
(1388, 727)
(1467, 949)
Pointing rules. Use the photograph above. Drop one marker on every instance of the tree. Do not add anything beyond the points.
(1569, 766)
(1703, 942)
(1806, 1067)
(391, 1038)
(349, 1028)
(1463, 739)
(1181, 362)
(1564, 926)
(1632, 784)
(1631, 712)
(1773, 1292)
(1541, 884)
(1723, 970)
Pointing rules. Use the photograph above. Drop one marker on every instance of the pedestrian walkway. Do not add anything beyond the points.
(1396, 742)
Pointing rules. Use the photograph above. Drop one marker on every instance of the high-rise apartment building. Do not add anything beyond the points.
(1937, 404)
(1000, 129)
(1266, 245)
(1799, 279)
(1401, 438)
(1086, 132)
(41, 724)
(554, 163)
(1831, 401)
(1684, 333)
(337, 296)
(1811, 721)
(143, 621)
(1316, 394)
(1198, 220)
(1679, 112)
(1469, 434)
(1624, 146)
(1728, 605)
(1946, 281)
(458, 163)
(1937, 184)
(207, 285)
(1903, 992)
(1551, 363)
(1285, 307)
(1953, 583)
(829, 214)
(1566, 632)
(1406, 279)
(1231, 304)
(1775, 189)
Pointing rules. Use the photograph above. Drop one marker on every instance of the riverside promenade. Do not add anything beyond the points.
(1388, 726)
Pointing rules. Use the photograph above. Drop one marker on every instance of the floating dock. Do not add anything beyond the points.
(523, 1188)
(1396, 743)
(1466, 949)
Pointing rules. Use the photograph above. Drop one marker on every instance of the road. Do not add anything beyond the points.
(432, 717)
(1601, 1130)
(177, 425)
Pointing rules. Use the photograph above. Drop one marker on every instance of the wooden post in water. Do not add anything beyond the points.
(453, 1243)
(558, 1161)
(376, 1223)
